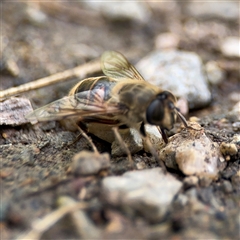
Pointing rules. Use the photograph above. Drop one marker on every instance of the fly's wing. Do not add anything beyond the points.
(82, 105)
(115, 65)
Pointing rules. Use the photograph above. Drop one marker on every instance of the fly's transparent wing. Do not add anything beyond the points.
(115, 65)
(82, 105)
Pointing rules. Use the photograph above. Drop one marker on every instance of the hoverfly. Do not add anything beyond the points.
(121, 99)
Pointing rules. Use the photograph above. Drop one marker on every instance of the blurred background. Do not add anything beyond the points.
(43, 38)
(189, 47)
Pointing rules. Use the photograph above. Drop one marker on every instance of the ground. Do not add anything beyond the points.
(39, 39)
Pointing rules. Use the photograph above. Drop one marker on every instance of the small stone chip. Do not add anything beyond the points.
(228, 149)
(13, 111)
(88, 163)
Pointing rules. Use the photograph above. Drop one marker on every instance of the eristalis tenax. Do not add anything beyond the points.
(121, 99)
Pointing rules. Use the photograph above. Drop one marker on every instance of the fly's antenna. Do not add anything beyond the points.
(183, 119)
(177, 111)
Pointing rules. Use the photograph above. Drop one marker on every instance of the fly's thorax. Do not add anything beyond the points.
(135, 96)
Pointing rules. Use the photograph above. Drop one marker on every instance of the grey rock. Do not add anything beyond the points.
(154, 136)
(35, 16)
(11, 68)
(236, 126)
(228, 149)
(147, 192)
(235, 112)
(182, 199)
(87, 163)
(13, 111)
(179, 72)
(214, 73)
(227, 186)
(228, 10)
(132, 10)
(27, 157)
(235, 179)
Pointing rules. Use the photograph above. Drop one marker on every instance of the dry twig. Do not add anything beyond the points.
(81, 72)
(67, 205)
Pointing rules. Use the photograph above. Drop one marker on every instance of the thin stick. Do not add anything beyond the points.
(83, 224)
(42, 225)
(81, 72)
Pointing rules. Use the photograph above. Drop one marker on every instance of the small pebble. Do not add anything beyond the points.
(34, 15)
(182, 105)
(167, 41)
(235, 179)
(227, 187)
(27, 157)
(182, 199)
(194, 119)
(11, 68)
(228, 149)
(230, 46)
(205, 181)
(88, 163)
(154, 136)
(190, 181)
(234, 96)
(236, 139)
(236, 126)
(235, 112)
(192, 152)
(214, 73)
(141, 165)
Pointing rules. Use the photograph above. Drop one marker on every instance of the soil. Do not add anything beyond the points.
(36, 160)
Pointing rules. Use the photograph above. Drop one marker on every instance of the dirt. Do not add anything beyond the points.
(36, 160)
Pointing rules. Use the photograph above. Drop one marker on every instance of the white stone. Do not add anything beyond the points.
(148, 192)
(228, 10)
(235, 112)
(214, 73)
(167, 41)
(34, 15)
(154, 136)
(121, 10)
(230, 47)
(179, 72)
(192, 152)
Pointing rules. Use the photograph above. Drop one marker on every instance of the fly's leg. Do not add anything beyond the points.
(152, 149)
(123, 145)
(82, 133)
(76, 139)
(88, 139)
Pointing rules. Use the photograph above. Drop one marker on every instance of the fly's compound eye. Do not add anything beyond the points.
(155, 112)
